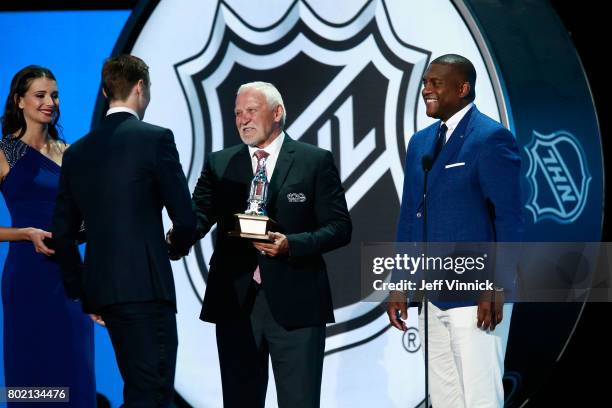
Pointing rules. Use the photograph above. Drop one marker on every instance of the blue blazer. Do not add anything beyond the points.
(477, 200)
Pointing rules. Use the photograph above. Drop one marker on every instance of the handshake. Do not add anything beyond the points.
(178, 244)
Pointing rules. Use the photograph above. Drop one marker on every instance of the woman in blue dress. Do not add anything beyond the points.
(48, 340)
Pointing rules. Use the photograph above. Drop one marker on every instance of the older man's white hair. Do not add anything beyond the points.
(273, 97)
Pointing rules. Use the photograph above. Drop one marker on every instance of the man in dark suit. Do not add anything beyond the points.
(473, 195)
(271, 299)
(117, 179)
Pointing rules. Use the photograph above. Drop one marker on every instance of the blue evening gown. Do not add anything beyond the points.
(48, 340)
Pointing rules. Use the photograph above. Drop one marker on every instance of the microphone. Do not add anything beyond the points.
(427, 162)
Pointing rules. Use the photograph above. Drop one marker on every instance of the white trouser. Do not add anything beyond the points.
(466, 364)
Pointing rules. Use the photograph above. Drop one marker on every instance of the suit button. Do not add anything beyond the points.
(419, 214)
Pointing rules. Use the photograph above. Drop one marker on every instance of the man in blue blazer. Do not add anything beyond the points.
(473, 195)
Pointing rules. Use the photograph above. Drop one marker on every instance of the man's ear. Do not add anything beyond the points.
(104, 93)
(465, 89)
(278, 113)
(140, 87)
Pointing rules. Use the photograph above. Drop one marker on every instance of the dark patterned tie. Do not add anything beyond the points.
(440, 141)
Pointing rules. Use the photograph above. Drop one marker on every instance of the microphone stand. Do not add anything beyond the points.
(426, 162)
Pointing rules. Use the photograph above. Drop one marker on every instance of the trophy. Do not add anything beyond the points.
(254, 223)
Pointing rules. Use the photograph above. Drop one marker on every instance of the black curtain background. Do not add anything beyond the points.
(579, 378)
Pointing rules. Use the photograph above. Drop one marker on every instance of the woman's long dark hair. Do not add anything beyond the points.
(13, 119)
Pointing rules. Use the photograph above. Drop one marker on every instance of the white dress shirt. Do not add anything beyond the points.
(122, 109)
(273, 149)
(454, 120)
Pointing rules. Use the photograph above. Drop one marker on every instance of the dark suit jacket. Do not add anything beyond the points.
(296, 286)
(117, 179)
(473, 188)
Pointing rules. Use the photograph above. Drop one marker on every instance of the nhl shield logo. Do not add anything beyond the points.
(559, 177)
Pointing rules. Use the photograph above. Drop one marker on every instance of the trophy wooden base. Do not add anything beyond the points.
(255, 227)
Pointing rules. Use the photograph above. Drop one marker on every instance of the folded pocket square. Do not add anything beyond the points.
(296, 197)
(448, 166)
